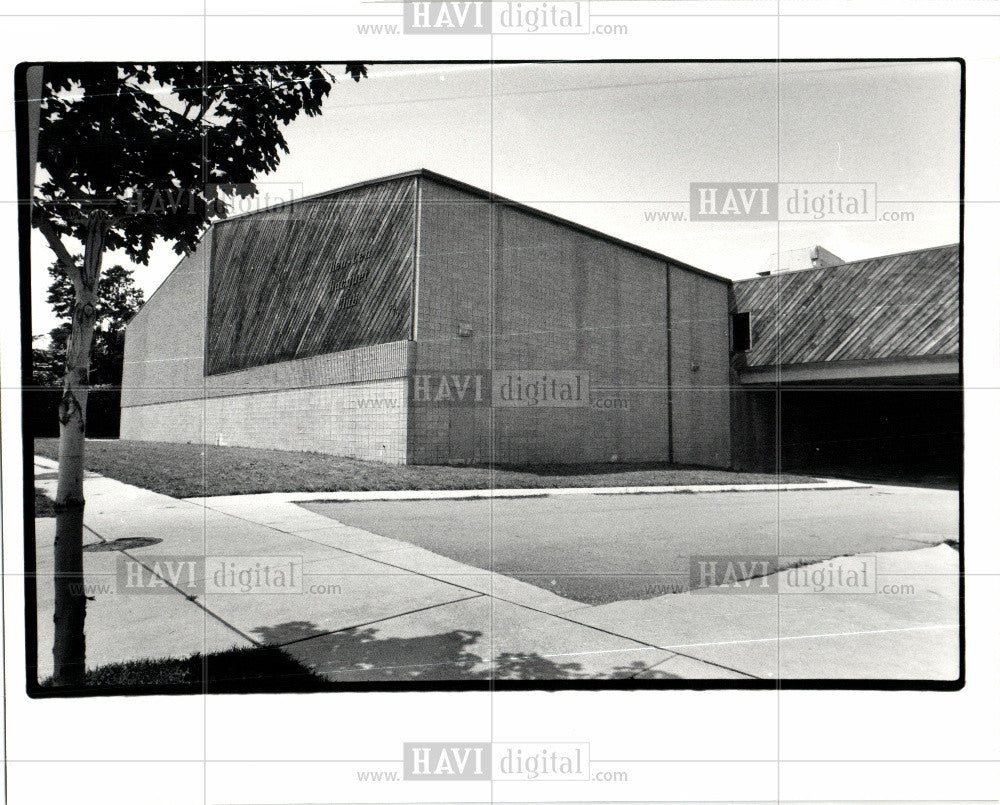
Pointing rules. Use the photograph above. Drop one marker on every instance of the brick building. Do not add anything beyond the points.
(317, 326)
(397, 320)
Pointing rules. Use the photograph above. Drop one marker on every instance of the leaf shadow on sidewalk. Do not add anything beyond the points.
(297, 657)
(360, 655)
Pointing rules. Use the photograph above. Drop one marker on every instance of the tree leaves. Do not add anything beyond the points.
(161, 147)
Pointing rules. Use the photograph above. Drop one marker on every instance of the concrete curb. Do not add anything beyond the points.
(492, 494)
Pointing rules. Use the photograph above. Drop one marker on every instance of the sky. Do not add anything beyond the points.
(610, 145)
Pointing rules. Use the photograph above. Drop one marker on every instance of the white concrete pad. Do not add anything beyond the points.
(812, 635)
(222, 501)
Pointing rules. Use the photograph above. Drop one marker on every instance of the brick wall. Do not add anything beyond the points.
(350, 403)
(497, 288)
(453, 279)
(361, 420)
(699, 368)
(561, 299)
(165, 340)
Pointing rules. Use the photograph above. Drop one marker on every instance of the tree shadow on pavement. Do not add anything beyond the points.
(298, 658)
(360, 655)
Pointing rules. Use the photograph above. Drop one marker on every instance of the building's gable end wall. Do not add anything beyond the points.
(494, 287)
(501, 288)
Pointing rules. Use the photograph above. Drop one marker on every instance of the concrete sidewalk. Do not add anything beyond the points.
(371, 609)
(375, 608)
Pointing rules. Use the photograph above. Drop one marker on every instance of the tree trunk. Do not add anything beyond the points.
(69, 649)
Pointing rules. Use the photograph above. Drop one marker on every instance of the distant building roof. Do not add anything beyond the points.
(898, 306)
(803, 257)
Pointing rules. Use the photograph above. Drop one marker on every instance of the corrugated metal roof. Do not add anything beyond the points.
(898, 306)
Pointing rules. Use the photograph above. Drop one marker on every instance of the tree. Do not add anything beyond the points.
(47, 368)
(118, 300)
(128, 154)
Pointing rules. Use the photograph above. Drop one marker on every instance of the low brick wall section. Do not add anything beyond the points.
(360, 420)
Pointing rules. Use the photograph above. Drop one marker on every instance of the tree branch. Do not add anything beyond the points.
(204, 110)
(70, 265)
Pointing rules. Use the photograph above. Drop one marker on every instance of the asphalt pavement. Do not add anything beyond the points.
(596, 549)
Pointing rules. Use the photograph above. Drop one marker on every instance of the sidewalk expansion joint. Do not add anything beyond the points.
(377, 620)
(190, 598)
(495, 597)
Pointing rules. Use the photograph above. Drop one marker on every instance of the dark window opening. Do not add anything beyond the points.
(741, 336)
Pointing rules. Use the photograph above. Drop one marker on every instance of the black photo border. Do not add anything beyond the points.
(35, 690)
